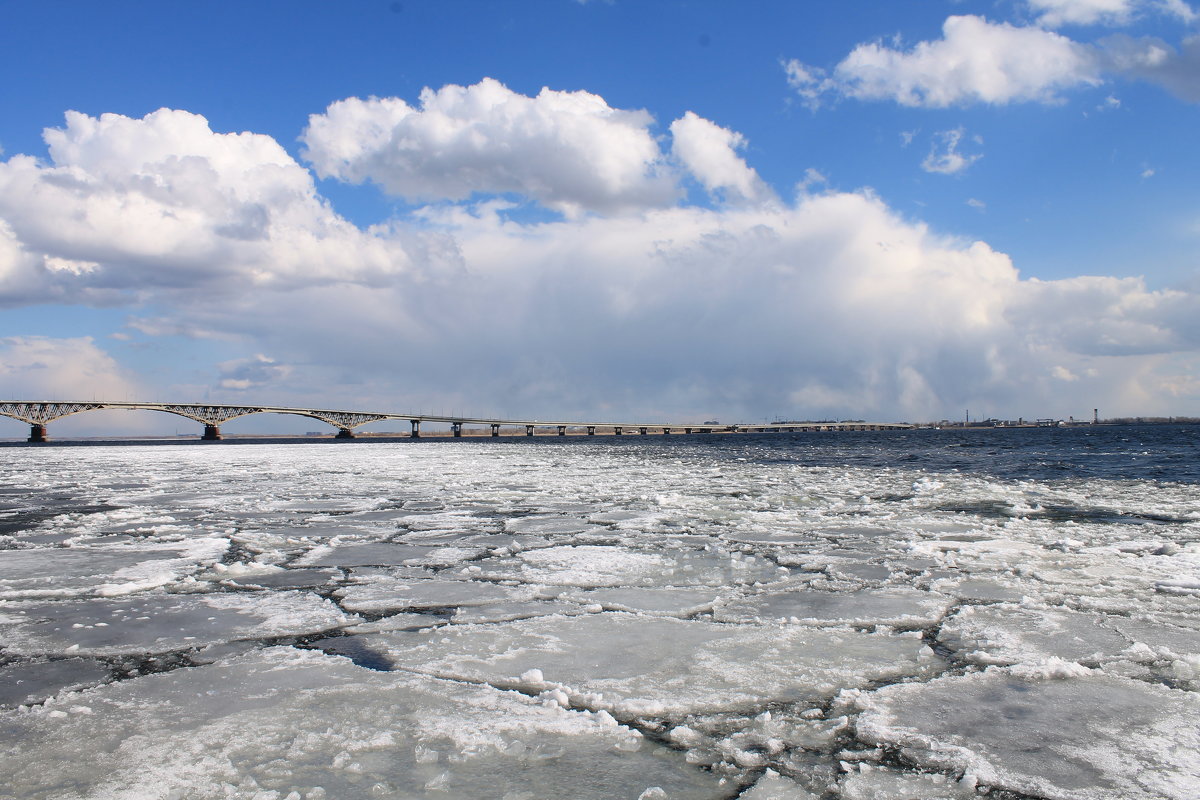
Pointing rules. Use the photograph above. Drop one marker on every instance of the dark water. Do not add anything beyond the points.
(1165, 453)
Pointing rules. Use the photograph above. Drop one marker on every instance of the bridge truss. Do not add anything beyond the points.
(39, 414)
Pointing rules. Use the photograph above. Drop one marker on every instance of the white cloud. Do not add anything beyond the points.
(691, 311)
(42, 368)
(257, 372)
(162, 203)
(948, 160)
(832, 301)
(809, 82)
(1053, 13)
(974, 61)
(1063, 374)
(977, 61)
(1179, 9)
(709, 152)
(976, 204)
(568, 150)
(1153, 60)
(812, 178)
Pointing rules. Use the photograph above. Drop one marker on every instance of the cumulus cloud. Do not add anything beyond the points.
(833, 305)
(43, 368)
(944, 157)
(974, 61)
(129, 205)
(709, 152)
(1151, 59)
(257, 372)
(829, 305)
(1054, 13)
(978, 61)
(569, 151)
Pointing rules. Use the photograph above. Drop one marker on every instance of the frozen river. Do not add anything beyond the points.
(868, 616)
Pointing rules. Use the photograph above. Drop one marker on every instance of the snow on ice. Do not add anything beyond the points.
(640, 620)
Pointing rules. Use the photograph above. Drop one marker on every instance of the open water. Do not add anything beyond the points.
(922, 614)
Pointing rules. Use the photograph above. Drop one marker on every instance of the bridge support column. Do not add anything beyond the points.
(456, 429)
(643, 430)
(211, 434)
(416, 428)
(687, 430)
(562, 430)
(591, 430)
(344, 433)
(529, 430)
(618, 431)
(37, 433)
(495, 429)
(666, 431)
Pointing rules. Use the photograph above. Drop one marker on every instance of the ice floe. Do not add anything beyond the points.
(635, 665)
(283, 723)
(1057, 731)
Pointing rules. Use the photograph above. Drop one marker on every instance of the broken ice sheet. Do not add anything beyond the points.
(1011, 634)
(384, 554)
(506, 611)
(773, 786)
(244, 728)
(550, 526)
(383, 594)
(907, 608)
(594, 566)
(103, 571)
(869, 782)
(162, 623)
(660, 666)
(1057, 731)
(657, 602)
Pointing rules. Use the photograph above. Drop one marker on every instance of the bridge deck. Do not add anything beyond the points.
(39, 413)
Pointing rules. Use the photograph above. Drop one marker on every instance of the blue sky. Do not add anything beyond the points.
(683, 209)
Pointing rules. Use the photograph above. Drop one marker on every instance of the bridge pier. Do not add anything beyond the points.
(529, 430)
(344, 433)
(456, 429)
(211, 434)
(562, 430)
(495, 429)
(416, 428)
(618, 431)
(644, 431)
(666, 431)
(687, 430)
(37, 433)
(591, 429)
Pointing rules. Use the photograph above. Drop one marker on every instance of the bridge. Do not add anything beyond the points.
(38, 415)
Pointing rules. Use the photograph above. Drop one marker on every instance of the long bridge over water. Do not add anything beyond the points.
(38, 415)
